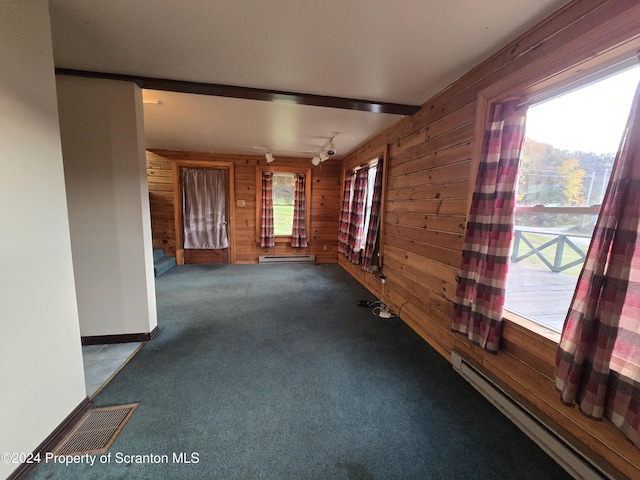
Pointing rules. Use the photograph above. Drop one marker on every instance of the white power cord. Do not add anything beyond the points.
(380, 309)
(383, 311)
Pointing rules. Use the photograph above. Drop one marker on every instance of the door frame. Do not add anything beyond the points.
(178, 207)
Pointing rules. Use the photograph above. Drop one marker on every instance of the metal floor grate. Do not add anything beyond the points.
(96, 431)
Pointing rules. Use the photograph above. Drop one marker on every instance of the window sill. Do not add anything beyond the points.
(530, 343)
(279, 241)
(533, 327)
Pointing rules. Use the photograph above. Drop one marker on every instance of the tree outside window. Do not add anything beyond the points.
(564, 173)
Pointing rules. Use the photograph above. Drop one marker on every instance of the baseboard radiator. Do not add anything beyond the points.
(286, 258)
(569, 458)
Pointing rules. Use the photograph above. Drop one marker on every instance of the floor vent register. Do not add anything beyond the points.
(96, 431)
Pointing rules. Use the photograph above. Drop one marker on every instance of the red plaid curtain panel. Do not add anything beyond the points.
(299, 231)
(480, 290)
(374, 220)
(345, 214)
(598, 359)
(356, 221)
(267, 237)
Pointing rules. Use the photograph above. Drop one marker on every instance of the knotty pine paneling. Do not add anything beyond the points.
(421, 162)
(324, 208)
(159, 169)
(451, 189)
(431, 158)
(451, 223)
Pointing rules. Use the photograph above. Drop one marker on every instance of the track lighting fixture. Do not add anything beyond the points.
(328, 149)
(269, 156)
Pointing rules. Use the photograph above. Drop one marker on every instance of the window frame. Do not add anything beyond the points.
(532, 84)
(282, 239)
(373, 163)
(290, 176)
(375, 156)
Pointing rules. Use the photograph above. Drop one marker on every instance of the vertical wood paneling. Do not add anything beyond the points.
(324, 208)
(431, 167)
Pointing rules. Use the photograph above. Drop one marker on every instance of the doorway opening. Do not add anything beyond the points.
(203, 212)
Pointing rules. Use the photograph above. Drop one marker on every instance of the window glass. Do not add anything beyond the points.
(283, 203)
(371, 180)
(367, 211)
(570, 146)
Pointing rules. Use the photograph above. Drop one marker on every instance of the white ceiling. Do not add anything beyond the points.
(396, 51)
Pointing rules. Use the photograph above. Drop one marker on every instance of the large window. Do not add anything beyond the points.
(361, 236)
(361, 215)
(286, 188)
(284, 185)
(570, 146)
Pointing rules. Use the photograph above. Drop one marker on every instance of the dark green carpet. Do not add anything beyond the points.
(274, 372)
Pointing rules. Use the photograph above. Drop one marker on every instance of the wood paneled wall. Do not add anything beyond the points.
(160, 180)
(431, 163)
(324, 209)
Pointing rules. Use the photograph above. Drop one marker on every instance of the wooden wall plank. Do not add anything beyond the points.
(454, 189)
(453, 224)
(416, 138)
(445, 273)
(161, 203)
(459, 136)
(424, 235)
(444, 174)
(447, 206)
(420, 283)
(439, 158)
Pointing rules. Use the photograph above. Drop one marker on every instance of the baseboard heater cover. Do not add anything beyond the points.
(286, 258)
(573, 461)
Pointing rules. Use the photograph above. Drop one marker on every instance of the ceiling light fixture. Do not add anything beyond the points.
(269, 156)
(328, 149)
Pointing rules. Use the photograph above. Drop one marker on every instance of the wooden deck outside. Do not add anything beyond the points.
(540, 295)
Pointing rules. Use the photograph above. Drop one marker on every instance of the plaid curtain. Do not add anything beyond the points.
(356, 221)
(345, 214)
(598, 359)
(482, 278)
(267, 237)
(374, 220)
(299, 231)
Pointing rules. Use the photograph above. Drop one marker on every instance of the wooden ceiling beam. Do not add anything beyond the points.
(230, 91)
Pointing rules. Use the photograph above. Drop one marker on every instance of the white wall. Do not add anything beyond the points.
(41, 375)
(102, 129)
